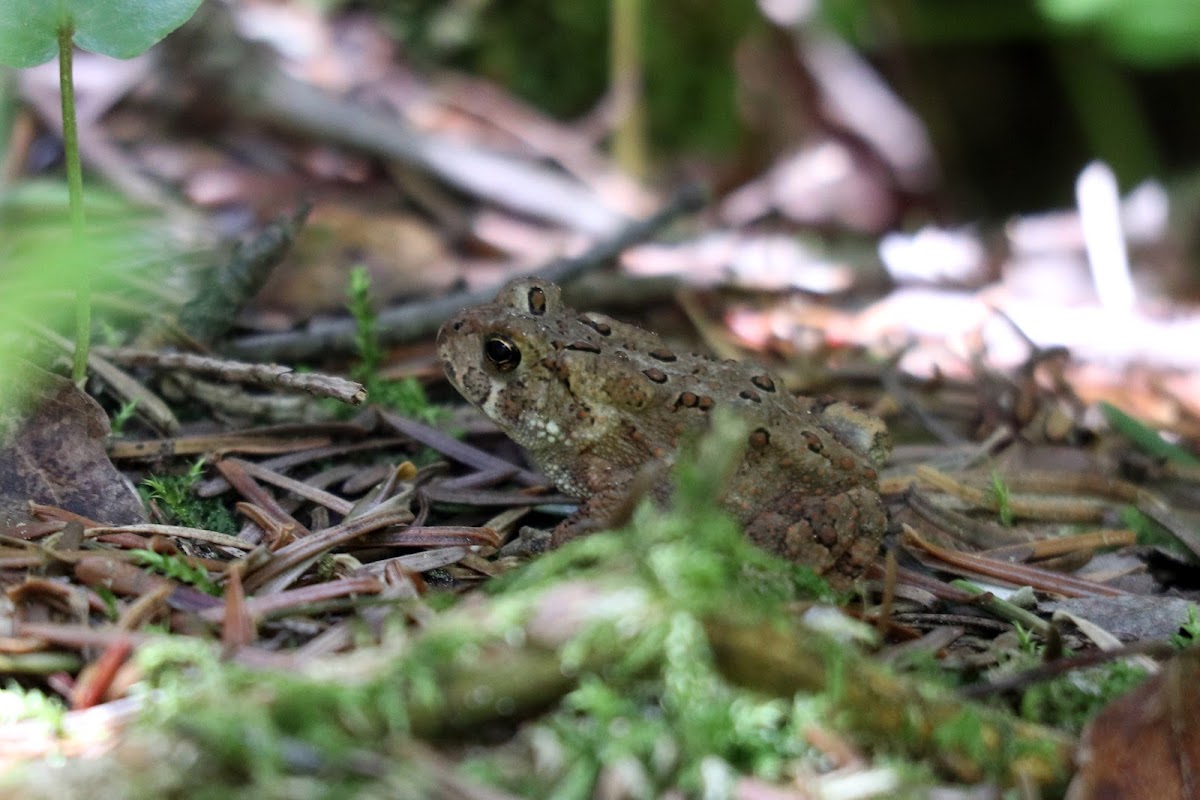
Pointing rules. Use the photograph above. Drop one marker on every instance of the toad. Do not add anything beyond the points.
(596, 401)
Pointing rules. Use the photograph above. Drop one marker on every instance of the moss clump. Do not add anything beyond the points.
(174, 496)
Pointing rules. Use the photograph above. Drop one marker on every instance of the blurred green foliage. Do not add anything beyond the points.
(1145, 438)
(1144, 32)
(1150, 32)
(1018, 95)
(555, 56)
(125, 250)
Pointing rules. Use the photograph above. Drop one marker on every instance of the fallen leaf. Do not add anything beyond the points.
(1128, 618)
(1146, 743)
(53, 453)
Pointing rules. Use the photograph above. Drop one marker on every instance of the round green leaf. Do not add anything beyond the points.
(28, 31)
(125, 28)
(119, 28)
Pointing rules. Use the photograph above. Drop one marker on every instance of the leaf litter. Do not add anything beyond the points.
(346, 602)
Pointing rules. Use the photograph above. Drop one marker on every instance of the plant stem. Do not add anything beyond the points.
(1110, 115)
(625, 77)
(83, 296)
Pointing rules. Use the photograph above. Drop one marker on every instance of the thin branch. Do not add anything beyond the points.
(269, 375)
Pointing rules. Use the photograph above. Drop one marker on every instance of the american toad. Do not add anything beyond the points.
(595, 401)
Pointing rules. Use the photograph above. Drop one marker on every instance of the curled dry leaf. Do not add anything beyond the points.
(53, 452)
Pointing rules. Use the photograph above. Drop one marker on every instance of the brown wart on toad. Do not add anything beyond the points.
(594, 401)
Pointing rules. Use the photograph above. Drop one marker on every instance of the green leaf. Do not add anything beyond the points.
(1146, 438)
(118, 28)
(125, 28)
(1151, 32)
(28, 31)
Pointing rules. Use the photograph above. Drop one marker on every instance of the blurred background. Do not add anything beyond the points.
(1013, 97)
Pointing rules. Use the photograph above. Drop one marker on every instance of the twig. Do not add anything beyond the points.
(210, 314)
(177, 531)
(1003, 609)
(215, 486)
(270, 375)
(566, 144)
(885, 708)
(299, 488)
(459, 451)
(217, 443)
(149, 405)
(1050, 509)
(289, 562)
(908, 401)
(974, 532)
(1017, 574)
(1062, 545)
(232, 401)
(259, 608)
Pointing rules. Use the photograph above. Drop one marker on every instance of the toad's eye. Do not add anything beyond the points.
(501, 351)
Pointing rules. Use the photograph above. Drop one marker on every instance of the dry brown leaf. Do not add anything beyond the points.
(1145, 744)
(54, 454)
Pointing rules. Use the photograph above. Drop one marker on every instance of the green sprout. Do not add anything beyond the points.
(1002, 498)
(407, 396)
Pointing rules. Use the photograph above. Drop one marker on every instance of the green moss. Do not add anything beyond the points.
(121, 418)
(407, 397)
(366, 336)
(1069, 702)
(1189, 630)
(18, 704)
(177, 569)
(681, 727)
(175, 497)
(297, 725)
